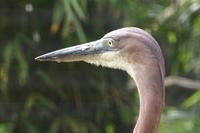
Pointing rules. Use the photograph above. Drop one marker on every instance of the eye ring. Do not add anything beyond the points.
(110, 43)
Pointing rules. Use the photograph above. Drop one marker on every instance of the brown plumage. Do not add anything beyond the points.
(135, 51)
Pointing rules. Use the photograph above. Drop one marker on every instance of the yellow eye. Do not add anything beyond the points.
(110, 43)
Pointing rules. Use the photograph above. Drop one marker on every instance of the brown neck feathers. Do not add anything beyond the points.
(149, 81)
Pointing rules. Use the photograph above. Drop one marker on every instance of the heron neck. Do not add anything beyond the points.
(151, 92)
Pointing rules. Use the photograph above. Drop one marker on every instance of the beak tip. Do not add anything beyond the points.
(40, 58)
(45, 57)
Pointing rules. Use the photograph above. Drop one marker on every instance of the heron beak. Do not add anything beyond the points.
(74, 53)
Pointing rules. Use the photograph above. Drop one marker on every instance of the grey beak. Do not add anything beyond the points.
(74, 53)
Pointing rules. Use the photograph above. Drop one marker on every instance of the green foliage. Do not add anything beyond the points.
(6, 128)
(192, 100)
(179, 121)
(70, 11)
(12, 52)
(48, 97)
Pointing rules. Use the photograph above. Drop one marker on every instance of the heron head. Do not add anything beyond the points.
(116, 49)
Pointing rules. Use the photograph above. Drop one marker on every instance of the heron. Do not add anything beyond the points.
(132, 50)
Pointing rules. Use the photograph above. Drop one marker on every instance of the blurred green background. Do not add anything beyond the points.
(47, 97)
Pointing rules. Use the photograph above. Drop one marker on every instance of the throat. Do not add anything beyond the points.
(110, 60)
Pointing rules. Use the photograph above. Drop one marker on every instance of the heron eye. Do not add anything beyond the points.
(110, 43)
